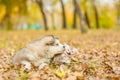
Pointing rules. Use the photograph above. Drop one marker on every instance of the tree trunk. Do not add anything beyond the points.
(63, 13)
(96, 16)
(6, 20)
(40, 3)
(118, 12)
(87, 20)
(74, 16)
(23, 7)
(81, 16)
(52, 18)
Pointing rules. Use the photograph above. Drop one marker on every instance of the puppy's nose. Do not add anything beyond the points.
(63, 46)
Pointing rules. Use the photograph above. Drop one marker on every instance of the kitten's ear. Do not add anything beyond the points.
(74, 50)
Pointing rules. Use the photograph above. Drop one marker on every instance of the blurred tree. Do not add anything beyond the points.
(96, 14)
(52, 18)
(74, 16)
(81, 16)
(40, 3)
(118, 10)
(10, 4)
(22, 6)
(63, 13)
(52, 13)
(87, 20)
(84, 4)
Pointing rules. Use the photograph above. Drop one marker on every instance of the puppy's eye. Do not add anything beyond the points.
(57, 44)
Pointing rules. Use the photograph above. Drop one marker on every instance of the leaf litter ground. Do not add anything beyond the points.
(98, 57)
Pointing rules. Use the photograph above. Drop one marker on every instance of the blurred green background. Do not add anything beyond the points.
(59, 14)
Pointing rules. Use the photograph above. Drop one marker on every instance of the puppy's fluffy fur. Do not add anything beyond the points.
(38, 52)
(65, 58)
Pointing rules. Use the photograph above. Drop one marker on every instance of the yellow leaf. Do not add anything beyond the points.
(59, 74)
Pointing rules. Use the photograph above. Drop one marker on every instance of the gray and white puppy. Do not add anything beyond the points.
(39, 52)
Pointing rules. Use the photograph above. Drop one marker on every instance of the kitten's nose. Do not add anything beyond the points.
(63, 46)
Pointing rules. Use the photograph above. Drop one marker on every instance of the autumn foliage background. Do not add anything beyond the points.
(92, 26)
(27, 14)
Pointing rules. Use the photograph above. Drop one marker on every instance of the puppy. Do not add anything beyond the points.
(65, 58)
(38, 52)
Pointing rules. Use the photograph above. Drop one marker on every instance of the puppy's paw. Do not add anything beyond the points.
(27, 65)
(42, 65)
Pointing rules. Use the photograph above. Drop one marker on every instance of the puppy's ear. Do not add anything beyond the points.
(56, 37)
(49, 40)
